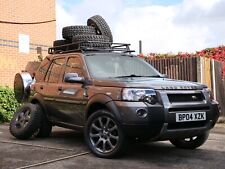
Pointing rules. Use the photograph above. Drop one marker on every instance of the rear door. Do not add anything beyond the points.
(50, 89)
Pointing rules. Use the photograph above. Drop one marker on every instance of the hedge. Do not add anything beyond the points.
(8, 104)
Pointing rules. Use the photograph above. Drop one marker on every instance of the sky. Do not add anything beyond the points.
(164, 26)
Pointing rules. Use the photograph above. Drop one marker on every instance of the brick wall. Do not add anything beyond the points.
(40, 35)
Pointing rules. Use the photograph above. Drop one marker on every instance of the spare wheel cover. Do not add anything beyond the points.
(22, 84)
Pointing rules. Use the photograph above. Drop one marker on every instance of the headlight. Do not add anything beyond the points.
(145, 95)
(209, 93)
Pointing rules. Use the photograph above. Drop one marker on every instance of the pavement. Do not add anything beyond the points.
(66, 149)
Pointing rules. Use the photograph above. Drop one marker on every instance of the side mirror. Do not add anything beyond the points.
(73, 78)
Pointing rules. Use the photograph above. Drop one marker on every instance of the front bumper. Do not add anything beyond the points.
(160, 123)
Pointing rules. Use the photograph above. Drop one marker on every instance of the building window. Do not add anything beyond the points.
(24, 43)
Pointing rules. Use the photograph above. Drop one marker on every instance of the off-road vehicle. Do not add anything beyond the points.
(112, 96)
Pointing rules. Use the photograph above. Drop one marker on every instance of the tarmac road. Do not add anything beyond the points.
(65, 149)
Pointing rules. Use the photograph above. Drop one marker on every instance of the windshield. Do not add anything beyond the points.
(117, 66)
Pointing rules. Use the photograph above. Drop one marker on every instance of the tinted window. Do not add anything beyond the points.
(55, 70)
(42, 70)
(74, 65)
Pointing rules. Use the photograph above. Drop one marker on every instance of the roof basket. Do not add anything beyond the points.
(83, 46)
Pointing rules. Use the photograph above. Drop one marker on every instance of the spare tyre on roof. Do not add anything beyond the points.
(59, 44)
(70, 31)
(101, 26)
(92, 40)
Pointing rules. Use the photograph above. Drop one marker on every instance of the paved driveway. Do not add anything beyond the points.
(66, 149)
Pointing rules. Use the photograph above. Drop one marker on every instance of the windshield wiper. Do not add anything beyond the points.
(133, 75)
(154, 76)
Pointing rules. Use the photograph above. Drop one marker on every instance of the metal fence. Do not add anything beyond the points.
(176, 68)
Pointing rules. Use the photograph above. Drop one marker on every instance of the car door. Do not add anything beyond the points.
(72, 95)
(50, 89)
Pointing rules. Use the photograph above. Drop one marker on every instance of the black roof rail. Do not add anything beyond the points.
(81, 46)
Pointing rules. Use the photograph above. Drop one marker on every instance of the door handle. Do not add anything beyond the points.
(59, 88)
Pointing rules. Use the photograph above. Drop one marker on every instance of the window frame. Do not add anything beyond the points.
(50, 67)
(81, 68)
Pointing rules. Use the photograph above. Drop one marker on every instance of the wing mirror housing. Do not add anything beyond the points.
(73, 78)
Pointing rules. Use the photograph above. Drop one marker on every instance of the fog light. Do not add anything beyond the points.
(141, 113)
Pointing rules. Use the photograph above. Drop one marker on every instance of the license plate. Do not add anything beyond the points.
(195, 116)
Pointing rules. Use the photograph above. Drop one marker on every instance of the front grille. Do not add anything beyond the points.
(184, 125)
(185, 109)
(187, 97)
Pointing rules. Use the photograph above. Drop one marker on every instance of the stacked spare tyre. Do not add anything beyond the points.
(95, 34)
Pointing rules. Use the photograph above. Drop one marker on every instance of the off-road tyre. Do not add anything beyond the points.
(70, 31)
(109, 129)
(26, 121)
(92, 40)
(101, 26)
(192, 142)
(45, 128)
(58, 44)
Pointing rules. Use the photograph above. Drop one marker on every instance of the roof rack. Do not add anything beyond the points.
(83, 46)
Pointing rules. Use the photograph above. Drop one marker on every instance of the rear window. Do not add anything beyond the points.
(42, 70)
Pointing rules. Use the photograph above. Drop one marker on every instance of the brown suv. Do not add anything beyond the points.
(112, 96)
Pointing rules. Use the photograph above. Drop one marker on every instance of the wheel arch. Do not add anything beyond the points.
(101, 101)
(38, 99)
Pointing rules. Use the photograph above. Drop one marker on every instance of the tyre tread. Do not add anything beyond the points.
(98, 40)
(101, 25)
(46, 127)
(70, 31)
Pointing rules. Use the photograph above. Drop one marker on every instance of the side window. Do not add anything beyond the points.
(74, 65)
(42, 70)
(55, 70)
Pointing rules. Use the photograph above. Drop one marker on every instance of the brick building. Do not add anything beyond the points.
(25, 26)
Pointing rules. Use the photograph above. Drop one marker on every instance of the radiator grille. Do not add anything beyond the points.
(188, 97)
